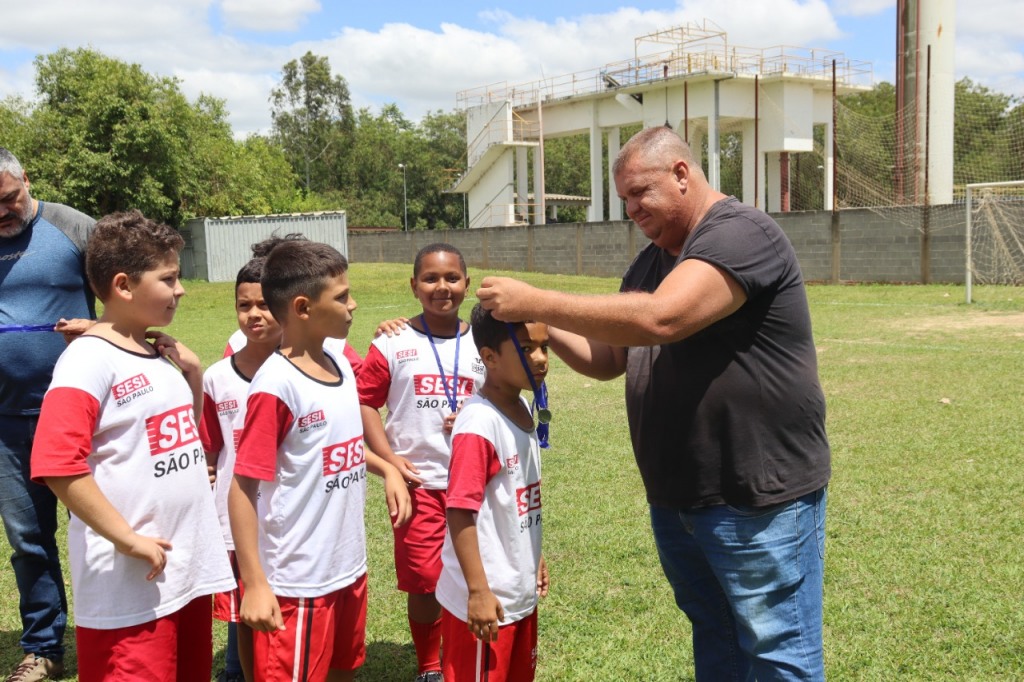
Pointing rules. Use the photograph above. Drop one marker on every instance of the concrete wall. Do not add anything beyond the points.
(875, 245)
(599, 249)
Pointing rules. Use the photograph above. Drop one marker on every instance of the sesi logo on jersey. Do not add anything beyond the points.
(129, 385)
(343, 456)
(236, 434)
(171, 430)
(311, 421)
(433, 384)
(528, 498)
(227, 407)
(130, 389)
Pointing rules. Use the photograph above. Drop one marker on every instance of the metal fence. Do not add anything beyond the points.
(216, 248)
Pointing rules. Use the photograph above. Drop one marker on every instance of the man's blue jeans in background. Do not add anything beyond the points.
(29, 513)
(750, 579)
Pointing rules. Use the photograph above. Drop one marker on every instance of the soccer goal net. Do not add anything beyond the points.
(995, 234)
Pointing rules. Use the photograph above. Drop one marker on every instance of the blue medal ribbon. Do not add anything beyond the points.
(540, 394)
(7, 328)
(453, 394)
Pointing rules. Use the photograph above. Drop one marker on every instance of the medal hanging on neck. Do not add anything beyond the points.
(451, 393)
(540, 394)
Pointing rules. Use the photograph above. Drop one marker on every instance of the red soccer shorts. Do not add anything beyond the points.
(418, 543)
(322, 633)
(175, 648)
(513, 658)
(226, 604)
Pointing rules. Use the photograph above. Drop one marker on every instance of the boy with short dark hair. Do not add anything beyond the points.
(492, 564)
(118, 445)
(260, 251)
(226, 389)
(301, 546)
(422, 375)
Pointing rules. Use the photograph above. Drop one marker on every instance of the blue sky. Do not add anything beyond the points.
(420, 54)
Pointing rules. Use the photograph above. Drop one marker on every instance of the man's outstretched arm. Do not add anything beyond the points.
(693, 296)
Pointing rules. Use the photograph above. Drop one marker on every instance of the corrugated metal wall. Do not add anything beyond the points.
(216, 248)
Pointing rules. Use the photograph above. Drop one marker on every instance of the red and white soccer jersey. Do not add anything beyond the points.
(401, 371)
(303, 440)
(127, 419)
(495, 472)
(225, 392)
(237, 341)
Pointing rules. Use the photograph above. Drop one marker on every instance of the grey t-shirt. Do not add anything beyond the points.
(735, 413)
(75, 224)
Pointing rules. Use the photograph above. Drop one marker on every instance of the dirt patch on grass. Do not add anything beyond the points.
(1013, 322)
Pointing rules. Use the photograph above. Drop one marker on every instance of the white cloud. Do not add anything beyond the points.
(268, 15)
(19, 81)
(1002, 18)
(424, 69)
(247, 95)
(989, 44)
(861, 8)
(44, 24)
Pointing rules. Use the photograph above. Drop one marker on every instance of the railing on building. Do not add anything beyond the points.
(506, 214)
(497, 131)
(681, 62)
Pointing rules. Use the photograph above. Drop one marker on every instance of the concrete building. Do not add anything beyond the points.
(702, 86)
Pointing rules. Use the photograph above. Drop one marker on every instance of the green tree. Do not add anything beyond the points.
(15, 122)
(981, 134)
(437, 145)
(110, 135)
(106, 136)
(312, 120)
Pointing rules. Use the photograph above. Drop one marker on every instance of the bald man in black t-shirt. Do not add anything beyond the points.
(727, 416)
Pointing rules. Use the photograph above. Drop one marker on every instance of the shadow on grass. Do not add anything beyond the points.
(385, 662)
(388, 662)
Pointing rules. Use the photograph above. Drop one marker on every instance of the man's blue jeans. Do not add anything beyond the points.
(750, 581)
(29, 513)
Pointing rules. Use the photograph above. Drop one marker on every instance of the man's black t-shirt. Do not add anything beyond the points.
(733, 414)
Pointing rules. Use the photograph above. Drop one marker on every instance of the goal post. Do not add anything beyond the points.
(1003, 222)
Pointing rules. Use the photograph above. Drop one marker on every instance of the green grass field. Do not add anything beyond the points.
(924, 573)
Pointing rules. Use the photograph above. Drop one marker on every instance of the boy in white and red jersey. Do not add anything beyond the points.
(118, 445)
(301, 546)
(493, 569)
(237, 341)
(226, 389)
(422, 375)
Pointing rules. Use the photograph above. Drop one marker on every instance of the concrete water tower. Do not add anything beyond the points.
(925, 85)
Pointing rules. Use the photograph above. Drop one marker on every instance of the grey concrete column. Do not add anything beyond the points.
(596, 212)
(614, 203)
(522, 186)
(714, 144)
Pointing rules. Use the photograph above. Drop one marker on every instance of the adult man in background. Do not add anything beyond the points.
(42, 280)
(726, 413)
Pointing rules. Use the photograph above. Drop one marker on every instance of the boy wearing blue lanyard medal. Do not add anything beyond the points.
(422, 375)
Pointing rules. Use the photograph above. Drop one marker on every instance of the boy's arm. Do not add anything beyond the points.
(395, 488)
(373, 433)
(484, 610)
(543, 580)
(84, 499)
(210, 435)
(259, 609)
(590, 358)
